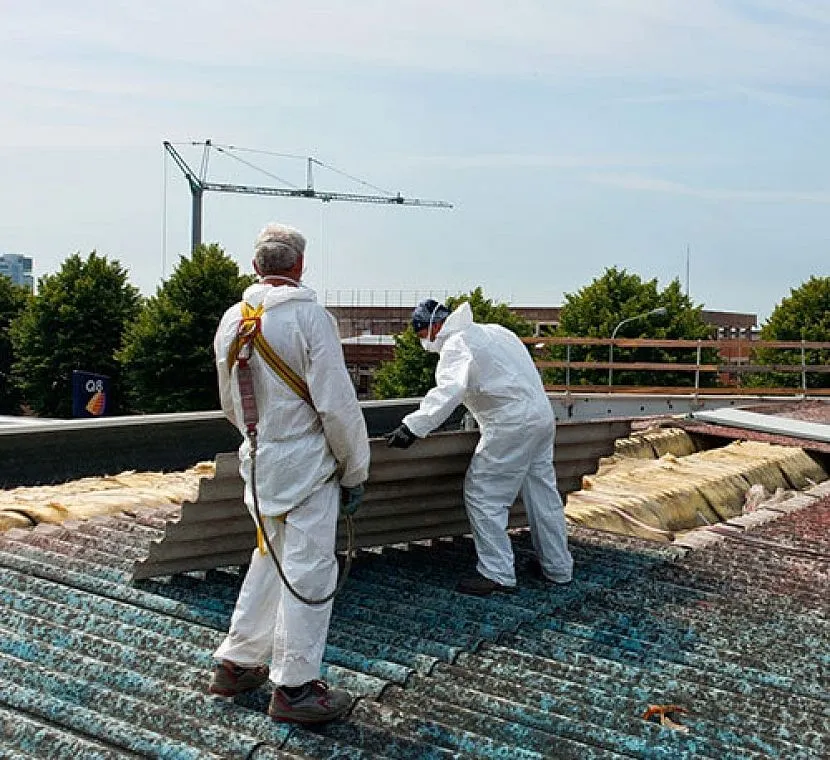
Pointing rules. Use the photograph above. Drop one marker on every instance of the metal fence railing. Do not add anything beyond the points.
(714, 365)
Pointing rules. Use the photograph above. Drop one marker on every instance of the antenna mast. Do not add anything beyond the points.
(688, 265)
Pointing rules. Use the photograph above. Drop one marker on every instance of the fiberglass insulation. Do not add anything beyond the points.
(90, 497)
(653, 498)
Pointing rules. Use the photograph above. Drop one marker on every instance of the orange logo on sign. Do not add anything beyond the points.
(97, 403)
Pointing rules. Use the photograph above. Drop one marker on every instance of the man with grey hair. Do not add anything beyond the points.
(312, 451)
(277, 249)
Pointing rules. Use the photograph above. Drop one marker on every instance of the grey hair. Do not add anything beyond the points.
(277, 248)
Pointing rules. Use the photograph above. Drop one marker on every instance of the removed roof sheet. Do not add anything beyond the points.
(766, 423)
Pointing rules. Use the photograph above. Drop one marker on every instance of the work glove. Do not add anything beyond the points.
(351, 497)
(401, 438)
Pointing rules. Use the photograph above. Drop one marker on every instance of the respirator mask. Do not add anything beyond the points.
(427, 343)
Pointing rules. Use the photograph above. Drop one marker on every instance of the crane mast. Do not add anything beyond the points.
(199, 185)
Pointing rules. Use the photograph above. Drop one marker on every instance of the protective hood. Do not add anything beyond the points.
(456, 322)
(273, 295)
(489, 370)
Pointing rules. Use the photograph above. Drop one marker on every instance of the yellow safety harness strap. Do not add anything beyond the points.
(260, 537)
(249, 335)
(251, 316)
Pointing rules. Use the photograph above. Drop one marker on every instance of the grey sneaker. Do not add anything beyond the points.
(313, 702)
(229, 679)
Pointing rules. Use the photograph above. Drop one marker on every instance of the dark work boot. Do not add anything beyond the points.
(313, 702)
(478, 585)
(534, 569)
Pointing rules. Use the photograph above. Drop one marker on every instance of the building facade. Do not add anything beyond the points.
(18, 269)
(355, 321)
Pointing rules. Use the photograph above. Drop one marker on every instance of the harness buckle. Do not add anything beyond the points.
(247, 331)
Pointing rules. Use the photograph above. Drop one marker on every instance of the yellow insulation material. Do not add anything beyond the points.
(670, 441)
(648, 444)
(732, 459)
(802, 470)
(10, 520)
(629, 514)
(654, 443)
(91, 497)
(634, 448)
(687, 502)
(798, 468)
(673, 493)
(611, 464)
(672, 500)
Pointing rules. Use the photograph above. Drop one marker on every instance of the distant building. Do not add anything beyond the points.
(363, 355)
(18, 269)
(391, 320)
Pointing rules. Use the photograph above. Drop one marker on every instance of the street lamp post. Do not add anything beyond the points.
(660, 311)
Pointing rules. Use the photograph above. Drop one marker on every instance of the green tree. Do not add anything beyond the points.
(76, 321)
(597, 309)
(167, 355)
(12, 301)
(804, 315)
(485, 311)
(412, 372)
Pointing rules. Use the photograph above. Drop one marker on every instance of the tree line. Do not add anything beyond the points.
(158, 351)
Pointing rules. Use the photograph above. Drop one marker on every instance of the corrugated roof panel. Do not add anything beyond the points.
(410, 496)
(737, 633)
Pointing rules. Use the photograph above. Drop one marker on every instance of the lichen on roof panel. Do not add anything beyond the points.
(736, 633)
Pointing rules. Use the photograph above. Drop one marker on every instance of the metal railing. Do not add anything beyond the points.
(738, 360)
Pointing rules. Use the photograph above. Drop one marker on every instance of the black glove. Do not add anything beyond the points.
(401, 438)
(351, 497)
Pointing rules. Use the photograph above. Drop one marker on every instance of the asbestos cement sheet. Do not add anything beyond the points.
(766, 423)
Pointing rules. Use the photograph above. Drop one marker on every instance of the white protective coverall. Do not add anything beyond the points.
(489, 370)
(303, 456)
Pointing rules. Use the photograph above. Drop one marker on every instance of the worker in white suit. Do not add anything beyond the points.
(312, 451)
(489, 370)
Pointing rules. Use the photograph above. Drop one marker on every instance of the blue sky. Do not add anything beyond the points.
(571, 135)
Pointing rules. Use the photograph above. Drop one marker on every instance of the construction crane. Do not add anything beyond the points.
(199, 185)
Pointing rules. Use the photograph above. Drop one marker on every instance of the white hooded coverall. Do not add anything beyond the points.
(489, 370)
(304, 454)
